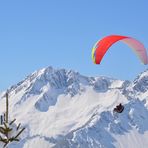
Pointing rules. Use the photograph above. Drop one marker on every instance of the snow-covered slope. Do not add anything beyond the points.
(63, 109)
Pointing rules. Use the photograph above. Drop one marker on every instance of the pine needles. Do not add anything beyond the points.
(9, 131)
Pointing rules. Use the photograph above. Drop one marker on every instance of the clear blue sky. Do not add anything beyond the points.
(38, 33)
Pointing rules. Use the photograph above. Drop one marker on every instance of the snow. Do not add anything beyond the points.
(132, 139)
(38, 142)
(61, 108)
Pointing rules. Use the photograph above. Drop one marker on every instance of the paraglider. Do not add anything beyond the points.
(102, 46)
(119, 108)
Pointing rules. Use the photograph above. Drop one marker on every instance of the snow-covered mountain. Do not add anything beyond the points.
(64, 109)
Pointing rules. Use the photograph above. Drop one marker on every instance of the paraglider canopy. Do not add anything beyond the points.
(104, 44)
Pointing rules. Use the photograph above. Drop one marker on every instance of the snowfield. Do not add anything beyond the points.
(63, 109)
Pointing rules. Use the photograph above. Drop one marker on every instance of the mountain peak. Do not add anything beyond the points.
(62, 108)
(142, 75)
(140, 84)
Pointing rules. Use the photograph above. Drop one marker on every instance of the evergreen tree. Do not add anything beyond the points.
(9, 132)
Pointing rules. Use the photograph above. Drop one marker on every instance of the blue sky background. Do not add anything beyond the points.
(61, 33)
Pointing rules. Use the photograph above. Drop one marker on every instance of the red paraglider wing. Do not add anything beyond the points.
(103, 45)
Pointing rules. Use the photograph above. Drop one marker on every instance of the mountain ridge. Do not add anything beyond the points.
(62, 108)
